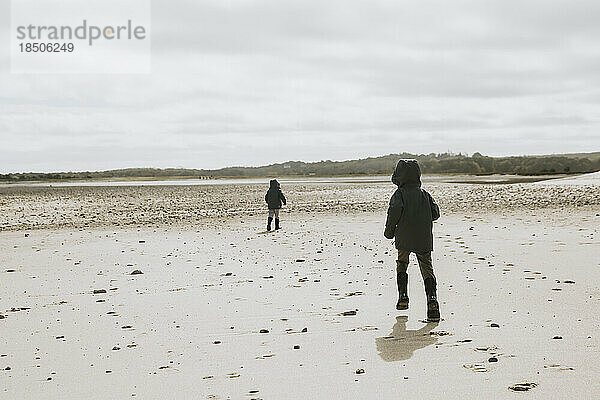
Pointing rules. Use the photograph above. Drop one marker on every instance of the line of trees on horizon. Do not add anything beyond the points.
(444, 163)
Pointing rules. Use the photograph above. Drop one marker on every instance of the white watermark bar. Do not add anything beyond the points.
(80, 36)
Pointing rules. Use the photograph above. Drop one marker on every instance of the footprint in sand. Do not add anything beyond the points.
(558, 367)
(522, 387)
(477, 367)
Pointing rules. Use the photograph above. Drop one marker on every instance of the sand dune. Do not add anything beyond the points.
(583, 179)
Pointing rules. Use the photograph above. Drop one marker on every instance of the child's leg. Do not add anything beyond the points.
(427, 273)
(433, 308)
(270, 219)
(401, 275)
(276, 212)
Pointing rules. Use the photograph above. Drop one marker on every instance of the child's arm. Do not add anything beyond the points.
(282, 197)
(435, 209)
(393, 216)
(266, 195)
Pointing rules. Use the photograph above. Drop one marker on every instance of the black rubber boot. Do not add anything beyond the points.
(433, 308)
(269, 223)
(277, 224)
(402, 281)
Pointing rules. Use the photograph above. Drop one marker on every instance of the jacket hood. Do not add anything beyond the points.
(274, 184)
(407, 173)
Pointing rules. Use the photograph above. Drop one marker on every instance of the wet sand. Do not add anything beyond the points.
(224, 310)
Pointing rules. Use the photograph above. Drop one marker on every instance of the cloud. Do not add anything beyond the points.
(254, 82)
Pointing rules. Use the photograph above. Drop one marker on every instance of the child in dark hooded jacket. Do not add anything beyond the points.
(274, 199)
(410, 221)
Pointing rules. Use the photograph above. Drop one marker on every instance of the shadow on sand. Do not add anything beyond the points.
(402, 343)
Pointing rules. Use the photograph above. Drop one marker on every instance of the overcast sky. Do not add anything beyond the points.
(245, 82)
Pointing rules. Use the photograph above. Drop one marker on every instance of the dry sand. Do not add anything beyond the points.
(518, 289)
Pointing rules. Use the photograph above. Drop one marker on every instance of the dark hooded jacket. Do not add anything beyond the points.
(274, 196)
(412, 210)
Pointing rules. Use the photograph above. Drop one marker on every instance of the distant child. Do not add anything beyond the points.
(274, 199)
(410, 220)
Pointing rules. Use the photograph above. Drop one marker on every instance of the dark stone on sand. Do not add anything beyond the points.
(360, 371)
(264, 331)
(492, 359)
(299, 260)
(142, 241)
(108, 371)
(126, 327)
(296, 346)
(99, 291)
(217, 342)
(7, 369)
(557, 337)
(494, 325)
(136, 272)
(348, 313)
(568, 281)
(10, 270)
(304, 330)
(116, 348)
(60, 337)
(2, 316)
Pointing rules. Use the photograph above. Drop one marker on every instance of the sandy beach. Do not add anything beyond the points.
(218, 309)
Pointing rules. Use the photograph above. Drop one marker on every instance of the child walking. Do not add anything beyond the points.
(410, 219)
(274, 199)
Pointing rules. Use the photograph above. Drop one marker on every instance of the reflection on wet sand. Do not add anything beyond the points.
(402, 343)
